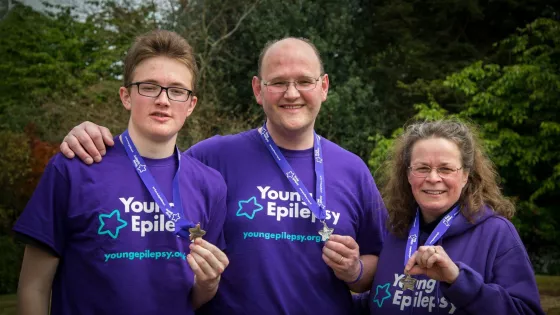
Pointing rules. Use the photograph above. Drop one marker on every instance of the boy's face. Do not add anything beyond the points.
(159, 118)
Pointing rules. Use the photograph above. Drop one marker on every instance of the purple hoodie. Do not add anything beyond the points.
(496, 276)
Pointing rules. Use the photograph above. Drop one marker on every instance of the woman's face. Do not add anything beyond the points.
(430, 160)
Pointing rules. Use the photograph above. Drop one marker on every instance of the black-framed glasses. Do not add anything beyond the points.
(154, 90)
(303, 84)
(424, 171)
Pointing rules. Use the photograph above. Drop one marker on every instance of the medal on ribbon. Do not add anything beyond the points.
(196, 232)
(318, 206)
(408, 283)
(412, 242)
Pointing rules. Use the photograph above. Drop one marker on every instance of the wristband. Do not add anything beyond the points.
(360, 275)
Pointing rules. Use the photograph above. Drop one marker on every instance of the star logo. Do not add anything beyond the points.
(293, 176)
(175, 217)
(141, 168)
(248, 206)
(412, 239)
(104, 219)
(381, 290)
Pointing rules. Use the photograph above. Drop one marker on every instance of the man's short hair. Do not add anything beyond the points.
(272, 42)
(160, 43)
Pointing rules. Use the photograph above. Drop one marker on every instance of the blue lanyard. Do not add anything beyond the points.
(318, 206)
(437, 233)
(175, 212)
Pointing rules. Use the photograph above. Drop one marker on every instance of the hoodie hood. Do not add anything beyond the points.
(461, 225)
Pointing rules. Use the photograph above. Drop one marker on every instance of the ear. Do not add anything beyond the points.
(324, 87)
(191, 105)
(257, 89)
(125, 98)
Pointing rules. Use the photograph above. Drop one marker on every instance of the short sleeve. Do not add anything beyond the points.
(371, 225)
(216, 224)
(44, 215)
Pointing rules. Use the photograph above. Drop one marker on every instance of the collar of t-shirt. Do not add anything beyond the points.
(429, 227)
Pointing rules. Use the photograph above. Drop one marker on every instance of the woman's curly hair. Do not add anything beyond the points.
(482, 185)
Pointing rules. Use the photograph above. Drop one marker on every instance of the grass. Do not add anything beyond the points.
(549, 288)
(7, 304)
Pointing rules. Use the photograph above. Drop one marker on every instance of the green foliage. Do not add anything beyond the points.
(10, 264)
(381, 57)
(516, 106)
(14, 163)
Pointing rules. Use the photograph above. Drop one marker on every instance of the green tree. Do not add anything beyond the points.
(516, 105)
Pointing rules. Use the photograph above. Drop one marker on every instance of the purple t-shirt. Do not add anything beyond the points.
(274, 246)
(118, 253)
(495, 274)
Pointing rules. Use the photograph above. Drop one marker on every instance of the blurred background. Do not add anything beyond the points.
(495, 63)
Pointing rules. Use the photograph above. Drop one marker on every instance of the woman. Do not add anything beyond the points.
(449, 231)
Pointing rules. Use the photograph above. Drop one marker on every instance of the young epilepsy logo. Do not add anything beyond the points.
(111, 224)
(280, 205)
(423, 296)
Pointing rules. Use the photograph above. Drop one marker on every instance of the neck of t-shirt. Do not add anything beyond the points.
(428, 227)
(152, 148)
(291, 140)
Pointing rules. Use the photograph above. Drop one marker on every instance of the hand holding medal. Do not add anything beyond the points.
(342, 254)
(207, 263)
(433, 262)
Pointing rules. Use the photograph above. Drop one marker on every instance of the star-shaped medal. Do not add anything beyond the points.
(196, 232)
(408, 283)
(325, 232)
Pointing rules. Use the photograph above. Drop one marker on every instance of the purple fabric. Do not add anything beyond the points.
(118, 253)
(437, 233)
(273, 242)
(316, 204)
(172, 210)
(496, 276)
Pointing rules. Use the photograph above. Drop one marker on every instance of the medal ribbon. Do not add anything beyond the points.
(317, 207)
(437, 233)
(173, 212)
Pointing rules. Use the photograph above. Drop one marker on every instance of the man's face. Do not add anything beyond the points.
(158, 118)
(291, 111)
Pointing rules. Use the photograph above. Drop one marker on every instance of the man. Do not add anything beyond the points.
(103, 238)
(287, 189)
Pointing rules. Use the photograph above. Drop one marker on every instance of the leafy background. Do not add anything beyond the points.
(492, 63)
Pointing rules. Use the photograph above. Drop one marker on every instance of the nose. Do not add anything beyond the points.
(433, 175)
(162, 98)
(291, 92)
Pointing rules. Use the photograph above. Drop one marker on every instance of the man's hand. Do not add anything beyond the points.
(433, 262)
(87, 141)
(207, 263)
(342, 254)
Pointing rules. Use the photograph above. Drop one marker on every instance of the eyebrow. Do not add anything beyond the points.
(173, 84)
(283, 78)
(441, 164)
